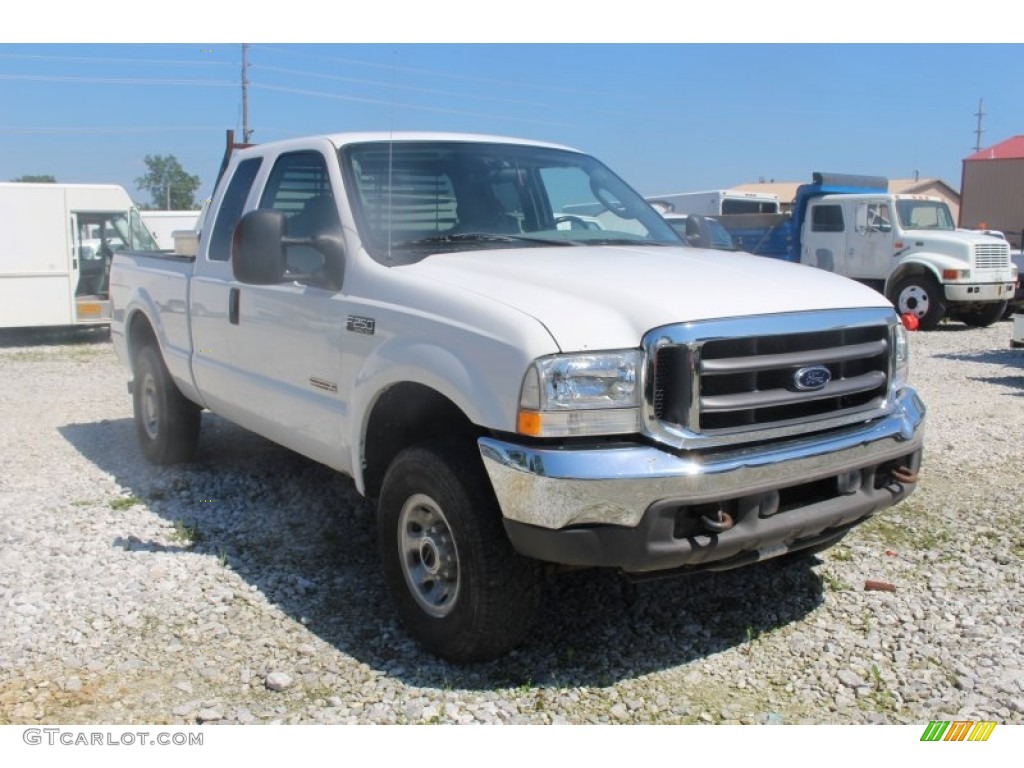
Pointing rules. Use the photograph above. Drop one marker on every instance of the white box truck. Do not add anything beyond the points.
(716, 202)
(58, 243)
(163, 224)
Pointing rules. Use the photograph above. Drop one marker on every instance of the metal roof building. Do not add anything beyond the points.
(992, 189)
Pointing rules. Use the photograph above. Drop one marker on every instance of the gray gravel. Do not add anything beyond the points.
(244, 588)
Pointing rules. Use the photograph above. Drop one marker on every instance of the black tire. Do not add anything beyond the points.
(166, 422)
(458, 585)
(922, 297)
(984, 317)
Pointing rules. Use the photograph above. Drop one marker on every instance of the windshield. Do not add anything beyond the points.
(924, 214)
(413, 198)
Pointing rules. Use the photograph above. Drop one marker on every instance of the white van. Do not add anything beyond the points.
(58, 243)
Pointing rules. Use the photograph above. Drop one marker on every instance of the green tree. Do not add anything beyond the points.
(168, 184)
(39, 179)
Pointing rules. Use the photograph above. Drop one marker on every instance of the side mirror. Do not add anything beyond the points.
(258, 248)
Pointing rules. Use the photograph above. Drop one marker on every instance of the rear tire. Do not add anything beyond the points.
(984, 317)
(167, 423)
(458, 585)
(922, 297)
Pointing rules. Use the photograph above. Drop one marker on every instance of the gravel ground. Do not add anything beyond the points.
(244, 587)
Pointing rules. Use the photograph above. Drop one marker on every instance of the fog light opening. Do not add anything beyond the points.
(849, 482)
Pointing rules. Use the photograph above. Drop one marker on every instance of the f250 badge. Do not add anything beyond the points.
(812, 378)
(357, 324)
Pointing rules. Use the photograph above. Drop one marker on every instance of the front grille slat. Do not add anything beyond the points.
(726, 381)
(730, 365)
(775, 397)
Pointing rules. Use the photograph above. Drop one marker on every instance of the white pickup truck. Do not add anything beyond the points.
(517, 394)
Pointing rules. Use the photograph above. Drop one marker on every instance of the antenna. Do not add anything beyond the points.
(246, 131)
(977, 131)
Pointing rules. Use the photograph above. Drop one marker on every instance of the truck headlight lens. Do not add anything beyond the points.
(582, 394)
(901, 357)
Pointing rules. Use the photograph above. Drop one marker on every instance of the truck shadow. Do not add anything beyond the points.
(1009, 358)
(301, 535)
(72, 335)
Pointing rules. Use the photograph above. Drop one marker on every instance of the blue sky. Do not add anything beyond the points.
(667, 116)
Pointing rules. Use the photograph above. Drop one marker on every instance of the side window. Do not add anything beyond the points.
(879, 219)
(231, 209)
(826, 218)
(300, 188)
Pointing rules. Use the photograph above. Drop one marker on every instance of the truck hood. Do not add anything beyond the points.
(607, 297)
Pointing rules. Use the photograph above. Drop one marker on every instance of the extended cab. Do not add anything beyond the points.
(514, 388)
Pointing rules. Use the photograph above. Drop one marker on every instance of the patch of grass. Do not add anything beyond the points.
(185, 534)
(833, 582)
(222, 557)
(924, 532)
(124, 502)
(840, 554)
(881, 697)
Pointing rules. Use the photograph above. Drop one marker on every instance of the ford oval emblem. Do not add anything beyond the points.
(812, 378)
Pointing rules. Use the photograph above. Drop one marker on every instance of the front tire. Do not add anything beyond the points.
(166, 422)
(458, 585)
(922, 297)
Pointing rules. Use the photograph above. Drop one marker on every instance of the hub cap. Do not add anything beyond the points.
(150, 408)
(914, 300)
(430, 560)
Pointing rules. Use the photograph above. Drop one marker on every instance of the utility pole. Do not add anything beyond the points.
(246, 132)
(977, 131)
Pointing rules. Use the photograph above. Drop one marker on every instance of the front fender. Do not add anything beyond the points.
(916, 264)
(480, 375)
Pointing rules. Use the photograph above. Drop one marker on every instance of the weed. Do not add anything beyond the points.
(124, 502)
(222, 557)
(881, 696)
(841, 554)
(834, 583)
(185, 534)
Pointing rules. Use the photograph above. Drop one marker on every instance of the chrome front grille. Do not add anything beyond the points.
(739, 380)
(992, 255)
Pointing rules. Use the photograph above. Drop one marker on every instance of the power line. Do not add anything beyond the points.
(391, 102)
(116, 80)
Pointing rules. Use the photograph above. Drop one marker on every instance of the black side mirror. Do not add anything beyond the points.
(258, 248)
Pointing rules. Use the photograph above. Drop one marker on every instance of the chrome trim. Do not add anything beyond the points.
(554, 487)
(695, 335)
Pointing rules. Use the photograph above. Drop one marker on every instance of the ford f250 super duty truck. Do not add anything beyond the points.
(517, 394)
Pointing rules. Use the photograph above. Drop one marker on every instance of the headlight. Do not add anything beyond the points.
(584, 394)
(900, 357)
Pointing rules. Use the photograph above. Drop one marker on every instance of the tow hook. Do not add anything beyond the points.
(903, 475)
(722, 521)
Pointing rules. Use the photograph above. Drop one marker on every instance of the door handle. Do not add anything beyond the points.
(233, 297)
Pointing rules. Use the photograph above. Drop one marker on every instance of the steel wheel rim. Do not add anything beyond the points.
(429, 557)
(150, 408)
(914, 300)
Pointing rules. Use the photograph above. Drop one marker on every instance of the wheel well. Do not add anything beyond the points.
(140, 334)
(897, 277)
(404, 415)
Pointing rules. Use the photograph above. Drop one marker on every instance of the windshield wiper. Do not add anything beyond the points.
(477, 237)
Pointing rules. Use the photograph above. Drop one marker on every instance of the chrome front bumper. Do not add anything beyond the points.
(553, 488)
